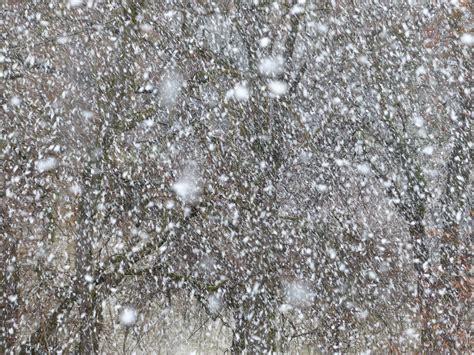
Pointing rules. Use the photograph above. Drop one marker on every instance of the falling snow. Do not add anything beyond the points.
(46, 164)
(467, 39)
(277, 88)
(272, 65)
(128, 316)
(245, 177)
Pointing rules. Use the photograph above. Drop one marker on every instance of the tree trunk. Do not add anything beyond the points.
(254, 328)
(8, 271)
(418, 235)
(8, 284)
(85, 277)
(454, 249)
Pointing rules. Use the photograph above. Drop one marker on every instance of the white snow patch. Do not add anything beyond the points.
(183, 189)
(459, 216)
(13, 298)
(87, 114)
(421, 70)
(128, 316)
(148, 87)
(363, 60)
(285, 308)
(239, 93)
(298, 294)
(75, 3)
(46, 164)
(321, 188)
(467, 39)
(363, 169)
(187, 188)
(297, 9)
(30, 61)
(148, 123)
(264, 42)
(363, 314)
(419, 121)
(214, 303)
(15, 101)
(411, 332)
(332, 253)
(271, 65)
(170, 14)
(277, 88)
(428, 150)
(342, 162)
(223, 178)
(170, 88)
(143, 235)
(75, 189)
(322, 28)
(62, 40)
(146, 27)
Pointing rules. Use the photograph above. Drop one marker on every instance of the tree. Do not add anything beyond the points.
(279, 164)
